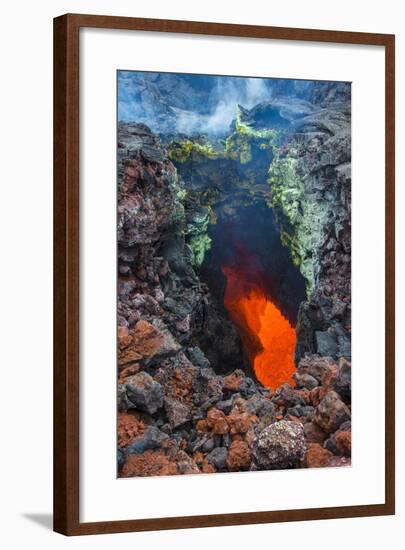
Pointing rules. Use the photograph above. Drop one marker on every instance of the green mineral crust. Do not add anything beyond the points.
(197, 234)
(238, 146)
(189, 150)
(300, 215)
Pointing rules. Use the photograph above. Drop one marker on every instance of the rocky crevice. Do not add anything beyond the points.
(177, 415)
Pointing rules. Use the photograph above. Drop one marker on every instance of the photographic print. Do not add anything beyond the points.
(234, 274)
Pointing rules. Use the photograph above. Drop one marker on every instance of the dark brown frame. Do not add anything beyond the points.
(66, 273)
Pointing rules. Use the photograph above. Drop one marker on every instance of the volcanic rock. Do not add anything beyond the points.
(331, 412)
(313, 433)
(343, 384)
(186, 398)
(215, 422)
(338, 461)
(326, 344)
(239, 421)
(286, 397)
(239, 456)
(152, 438)
(343, 439)
(129, 428)
(340, 442)
(280, 445)
(218, 457)
(315, 366)
(144, 393)
(197, 357)
(145, 342)
(150, 463)
(233, 381)
(177, 413)
(185, 464)
(316, 456)
(305, 381)
(225, 406)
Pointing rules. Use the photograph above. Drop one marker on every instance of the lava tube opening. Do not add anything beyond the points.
(268, 338)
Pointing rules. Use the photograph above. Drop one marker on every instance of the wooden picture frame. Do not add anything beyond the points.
(66, 273)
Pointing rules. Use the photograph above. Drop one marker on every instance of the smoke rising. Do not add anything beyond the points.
(187, 103)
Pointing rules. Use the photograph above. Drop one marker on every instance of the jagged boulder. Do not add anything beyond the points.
(280, 445)
(331, 412)
(144, 393)
(178, 413)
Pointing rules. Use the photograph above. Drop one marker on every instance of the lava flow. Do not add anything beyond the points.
(268, 338)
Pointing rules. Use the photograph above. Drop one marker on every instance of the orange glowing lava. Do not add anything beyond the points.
(268, 338)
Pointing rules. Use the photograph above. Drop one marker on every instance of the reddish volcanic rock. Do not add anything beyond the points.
(143, 343)
(232, 382)
(127, 372)
(129, 428)
(150, 463)
(239, 456)
(180, 384)
(127, 356)
(203, 464)
(132, 173)
(148, 340)
(202, 425)
(316, 456)
(239, 422)
(124, 338)
(240, 405)
(329, 377)
(198, 457)
(216, 422)
(208, 468)
(343, 442)
(315, 366)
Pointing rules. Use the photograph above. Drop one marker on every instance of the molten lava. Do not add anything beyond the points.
(268, 338)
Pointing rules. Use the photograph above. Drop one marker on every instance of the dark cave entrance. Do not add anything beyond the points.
(255, 285)
(254, 288)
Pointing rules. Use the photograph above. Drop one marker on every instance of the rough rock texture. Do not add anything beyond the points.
(177, 412)
(130, 426)
(310, 182)
(239, 456)
(143, 393)
(280, 445)
(331, 412)
(187, 401)
(317, 457)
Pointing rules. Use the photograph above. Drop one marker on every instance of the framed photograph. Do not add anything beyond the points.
(224, 254)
